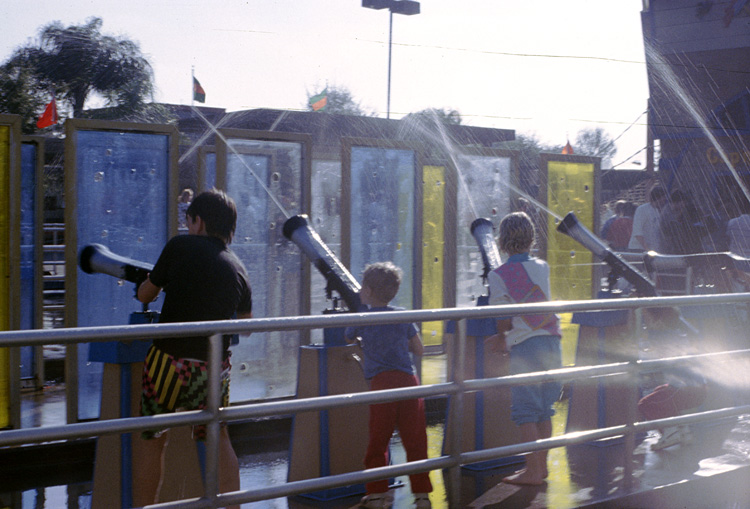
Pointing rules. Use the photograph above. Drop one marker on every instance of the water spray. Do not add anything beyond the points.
(483, 233)
(298, 230)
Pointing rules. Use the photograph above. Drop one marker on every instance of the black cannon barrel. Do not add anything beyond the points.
(298, 230)
(571, 227)
(483, 233)
(98, 259)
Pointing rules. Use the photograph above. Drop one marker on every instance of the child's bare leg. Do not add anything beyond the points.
(536, 462)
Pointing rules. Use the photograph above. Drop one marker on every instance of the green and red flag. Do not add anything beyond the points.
(198, 93)
(320, 101)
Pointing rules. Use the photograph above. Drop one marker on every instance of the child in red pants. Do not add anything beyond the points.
(387, 365)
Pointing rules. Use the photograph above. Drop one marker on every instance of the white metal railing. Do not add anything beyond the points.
(456, 388)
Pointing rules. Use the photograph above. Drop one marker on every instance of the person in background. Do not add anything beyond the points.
(738, 231)
(681, 230)
(533, 341)
(387, 365)
(619, 232)
(202, 280)
(614, 211)
(186, 197)
(646, 235)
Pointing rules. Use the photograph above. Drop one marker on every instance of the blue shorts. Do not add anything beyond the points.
(533, 403)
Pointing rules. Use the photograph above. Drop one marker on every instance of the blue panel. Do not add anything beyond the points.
(382, 212)
(123, 194)
(210, 162)
(28, 245)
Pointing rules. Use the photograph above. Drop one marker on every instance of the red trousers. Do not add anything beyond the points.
(669, 401)
(408, 417)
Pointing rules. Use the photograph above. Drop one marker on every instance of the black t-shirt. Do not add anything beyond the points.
(202, 280)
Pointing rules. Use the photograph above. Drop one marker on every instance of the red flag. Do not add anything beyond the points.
(568, 149)
(49, 117)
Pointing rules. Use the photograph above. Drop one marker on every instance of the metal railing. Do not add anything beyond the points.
(456, 388)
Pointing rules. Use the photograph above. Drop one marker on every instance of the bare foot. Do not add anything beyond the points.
(524, 477)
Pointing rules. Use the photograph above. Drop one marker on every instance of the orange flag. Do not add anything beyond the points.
(568, 149)
(49, 117)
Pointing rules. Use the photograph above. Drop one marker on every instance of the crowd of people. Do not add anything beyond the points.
(671, 223)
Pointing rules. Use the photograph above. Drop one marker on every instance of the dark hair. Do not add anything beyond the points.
(620, 207)
(656, 193)
(218, 211)
(678, 195)
(384, 279)
(628, 209)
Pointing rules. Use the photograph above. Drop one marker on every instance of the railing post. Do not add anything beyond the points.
(213, 428)
(457, 411)
(630, 418)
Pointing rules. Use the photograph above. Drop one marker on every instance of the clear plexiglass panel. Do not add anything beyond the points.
(325, 219)
(382, 212)
(483, 191)
(264, 179)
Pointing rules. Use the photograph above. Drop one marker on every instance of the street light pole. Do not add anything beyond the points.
(390, 46)
(407, 7)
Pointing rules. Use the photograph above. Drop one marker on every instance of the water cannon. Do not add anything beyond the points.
(618, 266)
(483, 233)
(98, 259)
(298, 230)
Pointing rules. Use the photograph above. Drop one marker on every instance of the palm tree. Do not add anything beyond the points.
(77, 61)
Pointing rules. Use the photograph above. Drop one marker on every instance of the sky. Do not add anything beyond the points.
(547, 68)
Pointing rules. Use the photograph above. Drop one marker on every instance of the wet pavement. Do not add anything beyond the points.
(712, 471)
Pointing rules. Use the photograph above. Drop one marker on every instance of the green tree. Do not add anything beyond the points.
(77, 63)
(438, 114)
(597, 143)
(341, 101)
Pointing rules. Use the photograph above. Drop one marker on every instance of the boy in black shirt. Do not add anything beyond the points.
(202, 280)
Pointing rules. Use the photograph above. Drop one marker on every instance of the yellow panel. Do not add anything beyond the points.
(570, 188)
(433, 238)
(4, 270)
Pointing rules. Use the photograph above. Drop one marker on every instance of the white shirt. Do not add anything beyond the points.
(646, 224)
(538, 272)
(738, 231)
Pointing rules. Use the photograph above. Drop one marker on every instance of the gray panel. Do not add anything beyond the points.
(382, 215)
(122, 183)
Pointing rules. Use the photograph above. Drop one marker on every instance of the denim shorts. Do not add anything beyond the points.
(533, 403)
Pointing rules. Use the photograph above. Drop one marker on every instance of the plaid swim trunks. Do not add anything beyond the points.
(173, 385)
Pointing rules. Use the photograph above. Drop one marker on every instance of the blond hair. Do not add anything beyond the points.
(516, 233)
(384, 279)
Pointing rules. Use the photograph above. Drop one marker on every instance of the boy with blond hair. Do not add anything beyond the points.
(387, 365)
